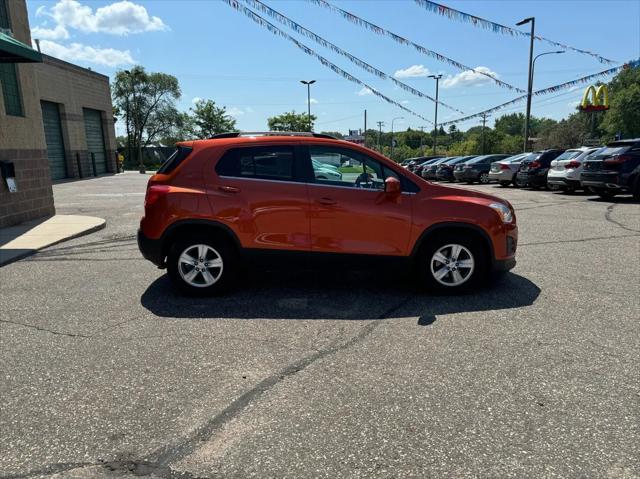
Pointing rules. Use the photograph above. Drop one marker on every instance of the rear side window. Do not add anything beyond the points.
(171, 163)
(265, 162)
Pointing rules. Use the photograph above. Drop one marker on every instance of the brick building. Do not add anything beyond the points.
(56, 120)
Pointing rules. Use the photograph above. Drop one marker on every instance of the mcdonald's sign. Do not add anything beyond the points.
(595, 99)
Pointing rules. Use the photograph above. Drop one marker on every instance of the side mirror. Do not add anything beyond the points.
(392, 186)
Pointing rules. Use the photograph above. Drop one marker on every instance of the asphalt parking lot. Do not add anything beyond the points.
(107, 373)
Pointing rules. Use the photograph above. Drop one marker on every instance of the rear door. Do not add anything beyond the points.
(260, 193)
(354, 215)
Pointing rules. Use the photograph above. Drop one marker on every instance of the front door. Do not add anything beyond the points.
(259, 193)
(349, 211)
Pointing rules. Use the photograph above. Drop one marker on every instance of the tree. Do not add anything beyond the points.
(208, 119)
(623, 116)
(145, 100)
(335, 134)
(291, 121)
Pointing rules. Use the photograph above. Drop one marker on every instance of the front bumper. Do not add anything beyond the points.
(504, 265)
(151, 249)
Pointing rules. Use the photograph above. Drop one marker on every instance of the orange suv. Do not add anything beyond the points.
(218, 203)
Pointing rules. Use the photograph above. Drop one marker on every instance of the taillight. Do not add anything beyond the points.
(572, 164)
(504, 167)
(535, 164)
(616, 160)
(154, 192)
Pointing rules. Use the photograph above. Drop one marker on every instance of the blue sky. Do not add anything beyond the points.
(217, 53)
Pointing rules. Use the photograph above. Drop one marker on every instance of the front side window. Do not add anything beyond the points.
(265, 162)
(350, 168)
(11, 89)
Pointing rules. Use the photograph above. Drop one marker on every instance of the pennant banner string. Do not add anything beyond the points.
(454, 14)
(276, 31)
(551, 89)
(381, 31)
(327, 44)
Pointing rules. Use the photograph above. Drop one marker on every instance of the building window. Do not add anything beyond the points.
(11, 89)
(4, 15)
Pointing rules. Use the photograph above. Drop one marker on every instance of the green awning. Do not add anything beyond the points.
(13, 51)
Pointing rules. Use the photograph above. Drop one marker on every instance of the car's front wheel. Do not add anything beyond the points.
(202, 266)
(449, 263)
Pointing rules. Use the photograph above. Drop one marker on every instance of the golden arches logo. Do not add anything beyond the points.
(595, 99)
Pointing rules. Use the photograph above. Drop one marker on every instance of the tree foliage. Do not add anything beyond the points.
(623, 118)
(207, 119)
(291, 121)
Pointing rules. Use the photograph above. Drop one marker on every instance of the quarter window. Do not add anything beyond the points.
(266, 162)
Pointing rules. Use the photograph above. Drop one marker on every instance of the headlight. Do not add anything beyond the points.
(503, 211)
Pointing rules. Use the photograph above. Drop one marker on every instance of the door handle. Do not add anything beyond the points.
(229, 189)
(327, 201)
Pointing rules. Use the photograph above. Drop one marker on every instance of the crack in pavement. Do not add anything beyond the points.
(580, 240)
(164, 456)
(38, 328)
(607, 216)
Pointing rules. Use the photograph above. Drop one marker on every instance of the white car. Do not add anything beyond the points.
(505, 171)
(564, 173)
(326, 171)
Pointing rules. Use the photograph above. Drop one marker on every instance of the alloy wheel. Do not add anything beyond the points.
(200, 265)
(452, 265)
(484, 178)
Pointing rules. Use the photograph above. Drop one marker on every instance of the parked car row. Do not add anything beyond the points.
(605, 170)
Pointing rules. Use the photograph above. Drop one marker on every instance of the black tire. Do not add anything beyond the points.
(604, 193)
(224, 249)
(636, 189)
(474, 246)
(504, 184)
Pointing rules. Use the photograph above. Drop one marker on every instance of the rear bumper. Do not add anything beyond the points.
(610, 180)
(502, 175)
(466, 175)
(151, 249)
(446, 175)
(532, 178)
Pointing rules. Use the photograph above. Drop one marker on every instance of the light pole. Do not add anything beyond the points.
(308, 83)
(394, 119)
(531, 20)
(435, 121)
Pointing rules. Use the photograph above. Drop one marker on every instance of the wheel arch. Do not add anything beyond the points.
(455, 227)
(197, 226)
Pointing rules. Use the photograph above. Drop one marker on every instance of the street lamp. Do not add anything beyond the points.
(308, 83)
(531, 20)
(394, 119)
(435, 121)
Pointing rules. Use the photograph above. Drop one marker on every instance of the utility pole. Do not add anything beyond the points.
(531, 20)
(435, 121)
(365, 127)
(308, 83)
(484, 121)
(380, 125)
(396, 118)
(421, 138)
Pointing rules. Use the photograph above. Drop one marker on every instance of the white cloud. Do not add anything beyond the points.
(364, 92)
(469, 78)
(196, 99)
(313, 101)
(57, 33)
(119, 18)
(77, 52)
(414, 71)
(235, 111)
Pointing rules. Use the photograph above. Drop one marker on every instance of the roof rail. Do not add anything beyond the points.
(237, 134)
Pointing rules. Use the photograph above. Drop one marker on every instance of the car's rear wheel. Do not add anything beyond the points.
(452, 263)
(202, 266)
(484, 178)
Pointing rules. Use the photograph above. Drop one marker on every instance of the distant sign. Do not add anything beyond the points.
(592, 142)
(595, 100)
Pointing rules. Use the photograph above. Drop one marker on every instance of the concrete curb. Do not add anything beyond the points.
(8, 256)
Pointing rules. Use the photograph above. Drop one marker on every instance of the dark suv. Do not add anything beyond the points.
(476, 169)
(535, 168)
(614, 169)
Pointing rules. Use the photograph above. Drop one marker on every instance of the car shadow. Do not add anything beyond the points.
(353, 295)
